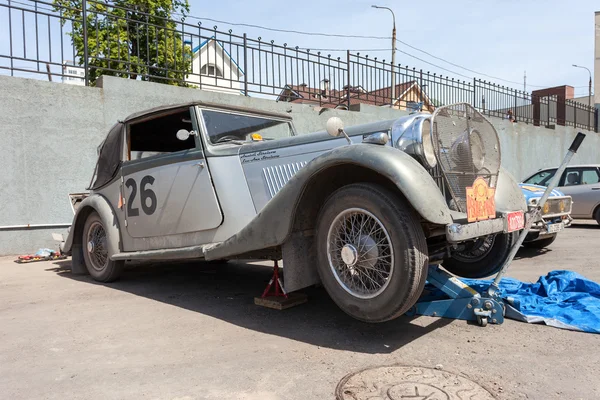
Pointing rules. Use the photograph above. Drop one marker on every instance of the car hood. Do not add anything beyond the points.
(531, 191)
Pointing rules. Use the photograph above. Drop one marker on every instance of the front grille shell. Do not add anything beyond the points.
(467, 147)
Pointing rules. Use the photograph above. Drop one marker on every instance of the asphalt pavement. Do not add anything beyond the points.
(191, 331)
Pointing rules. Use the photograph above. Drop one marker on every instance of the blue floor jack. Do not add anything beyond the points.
(466, 303)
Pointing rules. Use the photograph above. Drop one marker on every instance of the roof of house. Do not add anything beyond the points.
(213, 39)
(306, 95)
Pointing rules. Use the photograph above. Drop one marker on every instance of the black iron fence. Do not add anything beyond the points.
(78, 41)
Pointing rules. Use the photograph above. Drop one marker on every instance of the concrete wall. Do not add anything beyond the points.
(49, 133)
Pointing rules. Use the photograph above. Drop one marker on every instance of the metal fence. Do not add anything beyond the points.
(78, 44)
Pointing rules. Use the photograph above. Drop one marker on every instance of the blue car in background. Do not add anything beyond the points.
(555, 215)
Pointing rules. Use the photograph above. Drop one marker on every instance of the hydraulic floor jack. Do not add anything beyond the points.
(466, 303)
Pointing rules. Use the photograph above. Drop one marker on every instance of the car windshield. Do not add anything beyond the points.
(541, 178)
(224, 127)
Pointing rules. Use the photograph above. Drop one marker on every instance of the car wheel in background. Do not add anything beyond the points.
(541, 243)
(95, 251)
(372, 253)
(482, 258)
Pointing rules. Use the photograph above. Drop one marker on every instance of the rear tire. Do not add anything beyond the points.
(541, 243)
(482, 261)
(372, 253)
(597, 215)
(95, 251)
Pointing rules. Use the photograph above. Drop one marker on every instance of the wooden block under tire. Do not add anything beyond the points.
(281, 303)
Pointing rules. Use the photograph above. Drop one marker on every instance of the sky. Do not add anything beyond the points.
(501, 39)
(497, 38)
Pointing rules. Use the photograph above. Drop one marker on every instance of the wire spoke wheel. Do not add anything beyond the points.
(96, 246)
(477, 251)
(360, 253)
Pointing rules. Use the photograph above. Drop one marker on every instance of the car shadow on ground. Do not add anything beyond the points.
(530, 252)
(227, 292)
(591, 225)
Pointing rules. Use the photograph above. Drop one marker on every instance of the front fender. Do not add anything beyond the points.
(101, 205)
(509, 196)
(273, 224)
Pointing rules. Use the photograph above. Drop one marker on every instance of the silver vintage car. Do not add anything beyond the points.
(363, 210)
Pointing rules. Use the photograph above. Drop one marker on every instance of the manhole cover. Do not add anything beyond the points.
(415, 383)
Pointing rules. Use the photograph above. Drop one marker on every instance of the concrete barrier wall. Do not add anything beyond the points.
(49, 133)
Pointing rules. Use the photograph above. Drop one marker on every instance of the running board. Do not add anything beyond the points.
(163, 254)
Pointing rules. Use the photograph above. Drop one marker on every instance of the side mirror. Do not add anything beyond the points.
(183, 134)
(334, 126)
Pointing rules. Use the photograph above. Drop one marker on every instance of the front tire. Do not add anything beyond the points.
(541, 243)
(372, 253)
(95, 251)
(483, 258)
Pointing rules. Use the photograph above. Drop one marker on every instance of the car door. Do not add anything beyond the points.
(167, 187)
(583, 185)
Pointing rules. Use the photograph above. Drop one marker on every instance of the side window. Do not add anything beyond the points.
(225, 127)
(589, 176)
(157, 136)
(541, 178)
(572, 177)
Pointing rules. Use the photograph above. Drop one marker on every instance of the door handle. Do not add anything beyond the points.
(596, 188)
(199, 164)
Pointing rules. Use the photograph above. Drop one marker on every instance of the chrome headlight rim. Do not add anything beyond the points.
(427, 149)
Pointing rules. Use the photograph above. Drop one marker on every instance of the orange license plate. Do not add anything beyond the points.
(480, 201)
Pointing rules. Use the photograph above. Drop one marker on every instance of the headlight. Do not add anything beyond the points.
(477, 149)
(546, 208)
(468, 151)
(428, 151)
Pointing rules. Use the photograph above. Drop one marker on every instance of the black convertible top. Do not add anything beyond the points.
(109, 157)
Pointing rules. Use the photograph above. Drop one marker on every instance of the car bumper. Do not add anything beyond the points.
(458, 232)
(543, 228)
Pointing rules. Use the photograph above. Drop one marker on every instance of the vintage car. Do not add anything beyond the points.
(364, 210)
(555, 215)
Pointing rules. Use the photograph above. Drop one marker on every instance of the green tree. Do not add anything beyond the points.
(130, 38)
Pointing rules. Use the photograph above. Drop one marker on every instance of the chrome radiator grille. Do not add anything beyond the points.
(466, 147)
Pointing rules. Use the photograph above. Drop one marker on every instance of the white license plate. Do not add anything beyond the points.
(553, 228)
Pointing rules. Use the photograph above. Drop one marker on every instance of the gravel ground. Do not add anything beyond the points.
(191, 331)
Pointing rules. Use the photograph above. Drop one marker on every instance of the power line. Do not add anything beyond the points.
(287, 30)
(437, 66)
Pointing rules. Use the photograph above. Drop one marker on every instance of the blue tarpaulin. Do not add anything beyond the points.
(563, 299)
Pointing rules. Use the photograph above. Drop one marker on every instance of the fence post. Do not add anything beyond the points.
(85, 42)
(245, 65)
(596, 120)
(422, 99)
(474, 99)
(516, 107)
(348, 78)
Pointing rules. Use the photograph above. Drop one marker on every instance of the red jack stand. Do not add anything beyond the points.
(279, 290)
(276, 297)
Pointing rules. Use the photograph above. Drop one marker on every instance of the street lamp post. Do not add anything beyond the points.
(589, 95)
(393, 91)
